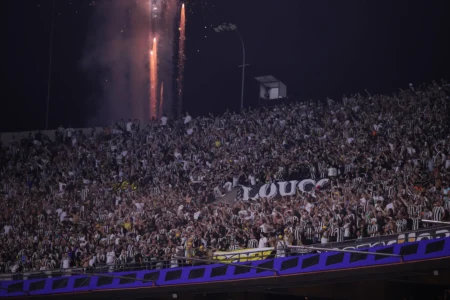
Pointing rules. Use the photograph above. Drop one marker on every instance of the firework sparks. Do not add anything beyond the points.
(122, 44)
(181, 59)
(153, 79)
(162, 26)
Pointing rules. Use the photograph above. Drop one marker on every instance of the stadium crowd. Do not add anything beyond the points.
(135, 192)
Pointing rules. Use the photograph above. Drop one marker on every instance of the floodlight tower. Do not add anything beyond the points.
(232, 27)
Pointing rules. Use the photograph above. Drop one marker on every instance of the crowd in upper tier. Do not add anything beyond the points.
(140, 191)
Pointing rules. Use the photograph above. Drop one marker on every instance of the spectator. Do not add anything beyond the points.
(135, 193)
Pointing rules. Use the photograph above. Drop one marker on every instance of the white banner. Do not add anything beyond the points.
(282, 188)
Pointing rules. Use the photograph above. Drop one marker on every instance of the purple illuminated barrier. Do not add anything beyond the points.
(407, 252)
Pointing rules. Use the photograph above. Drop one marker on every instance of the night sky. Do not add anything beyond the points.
(317, 48)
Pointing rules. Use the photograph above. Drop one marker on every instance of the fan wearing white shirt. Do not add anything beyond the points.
(187, 118)
(62, 216)
(252, 180)
(65, 262)
(265, 228)
(110, 257)
(7, 229)
(129, 125)
(70, 131)
(281, 247)
(164, 120)
(262, 242)
(92, 261)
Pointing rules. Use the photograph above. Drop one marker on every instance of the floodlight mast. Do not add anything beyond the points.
(232, 27)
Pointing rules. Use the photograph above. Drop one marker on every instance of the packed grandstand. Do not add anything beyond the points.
(138, 192)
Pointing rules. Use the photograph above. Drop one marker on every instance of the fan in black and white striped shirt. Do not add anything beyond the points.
(373, 228)
(438, 212)
(84, 194)
(253, 243)
(402, 225)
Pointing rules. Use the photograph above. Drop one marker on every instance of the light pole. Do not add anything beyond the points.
(232, 27)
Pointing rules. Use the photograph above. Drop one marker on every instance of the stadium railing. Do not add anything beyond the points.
(246, 255)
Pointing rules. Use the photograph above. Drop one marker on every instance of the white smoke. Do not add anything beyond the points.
(116, 58)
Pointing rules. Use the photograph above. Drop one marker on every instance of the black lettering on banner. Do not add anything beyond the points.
(283, 188)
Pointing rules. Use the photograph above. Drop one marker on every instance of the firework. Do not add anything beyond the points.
(162, 26)
(181, 59)
(121, 46)
(153, 79)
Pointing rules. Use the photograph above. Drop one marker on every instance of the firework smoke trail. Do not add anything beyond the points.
(150, 61)
(154, 79)
(181, 59)
(166, 54)
(155, 82)
(115, 59)
(104, 60)
(138, 73)
(151, 86)
(161, 100)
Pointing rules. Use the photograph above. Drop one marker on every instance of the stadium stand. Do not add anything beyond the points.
(143, 194)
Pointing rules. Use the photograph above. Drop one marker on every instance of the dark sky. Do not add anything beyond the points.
(317, 48)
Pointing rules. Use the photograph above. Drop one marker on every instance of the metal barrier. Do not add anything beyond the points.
(233, 257)
(432, 231)
(397, 255)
